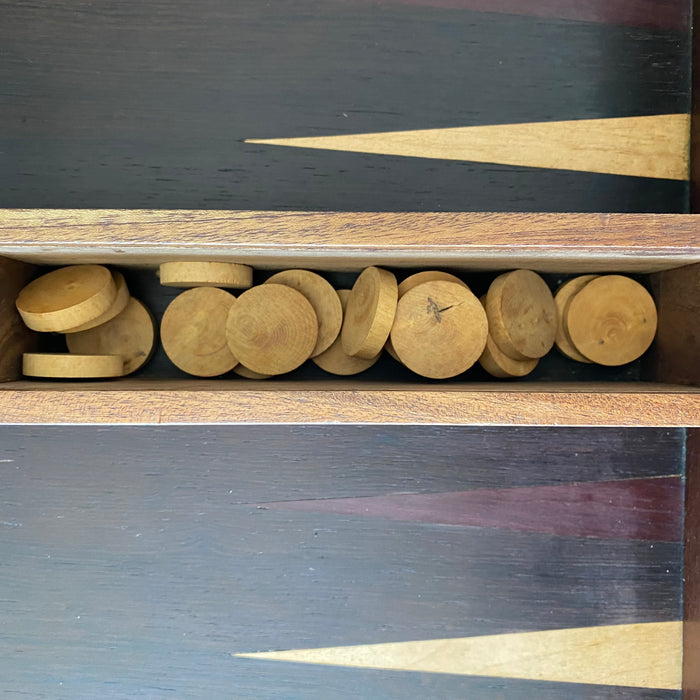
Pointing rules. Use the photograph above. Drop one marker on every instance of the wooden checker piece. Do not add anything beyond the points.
(193, 332)
(522, 315)
(612, 320)
(413, 281)
(498, 364)
(119, 304)
(335, 360)
(322, 297)
(440, 329)
(370, 313)
(562, 299)
(428, 276)
(131, 334)
(69, 366)
(205, 274)
(66, 298)
(272, 329)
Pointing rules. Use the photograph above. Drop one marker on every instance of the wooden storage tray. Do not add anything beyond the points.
(665, 246)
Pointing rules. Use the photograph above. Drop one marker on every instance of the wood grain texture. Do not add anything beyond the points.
(15, 337)
(638, 656)
(132, 553)
(351, 241)
(667, 14)
(677, 345)
(645, 509)
(694, 194)
(654, 146)
(691, 576)
(149, 104)
(173, 402)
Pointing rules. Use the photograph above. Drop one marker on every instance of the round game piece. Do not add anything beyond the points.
(498, 364)
(427, 276)
(272, 329)
(67, 297)
(562, 299)
(206, 274)
(193, 332)
(370, 313)
(68, 366)
(440, 329)
(522, 315)
(243, 371)
(130, 334)
(334, 360)
(612, 320)
(413, 281)
(322, 298)
(119, 304)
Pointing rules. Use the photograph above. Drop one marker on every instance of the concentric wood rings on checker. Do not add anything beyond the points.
(193, 332)
(522, 314)
(322, 298)
(272, 329)
(440, 329)
(67, 298)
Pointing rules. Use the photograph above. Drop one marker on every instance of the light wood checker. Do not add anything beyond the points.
(131, 334)
(335, 360)
(562, 299)
(440, 329)
(68, 297)
(193, 332)
(522, 315)
(119, 304)
(370, 313)
(205, 274)
(72, 366)
(612, 320)
(322, 297)
(428, 276)
(272, 329)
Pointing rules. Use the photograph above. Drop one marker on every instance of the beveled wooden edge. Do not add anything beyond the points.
(691, 572)
(675, 353)
(168, 402)
(351, 240)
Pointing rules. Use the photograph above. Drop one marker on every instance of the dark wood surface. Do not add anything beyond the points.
(15, 337)
(691, 575)
(137, 560)
(149, 104)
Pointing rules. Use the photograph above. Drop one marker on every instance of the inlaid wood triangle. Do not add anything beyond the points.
(651, 146)
(646, 655)
(635, 509)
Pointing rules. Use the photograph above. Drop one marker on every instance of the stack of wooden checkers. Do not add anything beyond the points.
(108, 332)
(431, 322)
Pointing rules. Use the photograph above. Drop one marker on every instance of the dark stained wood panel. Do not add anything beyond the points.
(691, 575)
(149, 104)
(136, 561)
